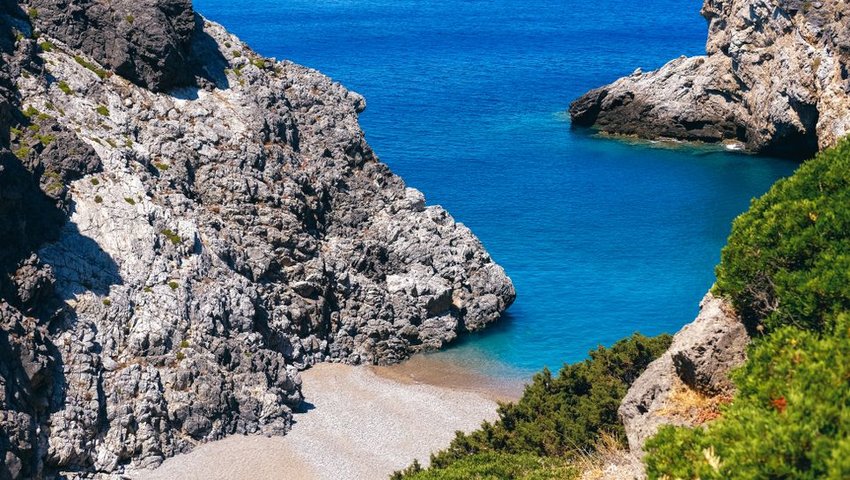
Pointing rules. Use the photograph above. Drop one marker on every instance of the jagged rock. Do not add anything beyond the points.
(145, 41)
(732, 94)
(701, 356)
(194, 250)
(706, 350)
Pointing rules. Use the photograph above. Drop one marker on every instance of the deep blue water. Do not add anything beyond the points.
(465, 101)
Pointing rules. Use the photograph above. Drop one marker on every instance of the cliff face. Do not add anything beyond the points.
(183, 226)
(775, 79)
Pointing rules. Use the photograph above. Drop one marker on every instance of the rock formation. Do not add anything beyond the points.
(775, 80)
(692, 375)
(184, 225)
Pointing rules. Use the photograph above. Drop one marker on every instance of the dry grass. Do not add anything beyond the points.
(608, 461)
(692, 406)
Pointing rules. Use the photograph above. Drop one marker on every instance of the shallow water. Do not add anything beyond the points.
(465, 101)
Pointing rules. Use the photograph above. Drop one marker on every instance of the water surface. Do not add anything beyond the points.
(465, 102)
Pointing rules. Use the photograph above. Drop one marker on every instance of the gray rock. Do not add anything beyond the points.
(773, 81)
(706, 350)
(202, 246)
(701, 356)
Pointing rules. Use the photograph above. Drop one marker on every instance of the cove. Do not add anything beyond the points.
(465, 99)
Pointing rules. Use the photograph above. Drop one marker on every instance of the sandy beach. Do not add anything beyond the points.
(361, 423)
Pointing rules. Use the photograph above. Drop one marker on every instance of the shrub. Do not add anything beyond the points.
(98, 199)
(564, 415)
(65, 88)
(493, 466)
(107, 302)
(23, 152)
(31, 112)
(94, 181)
(102, 110)
(788, 258)
(172, 237)
(46, 46)
(173, 285)
(129, 200)
(94, 68)
(790, 418)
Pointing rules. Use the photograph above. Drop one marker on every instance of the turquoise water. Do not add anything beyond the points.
(465, 102)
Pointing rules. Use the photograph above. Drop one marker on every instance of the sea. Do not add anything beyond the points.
(467, 99)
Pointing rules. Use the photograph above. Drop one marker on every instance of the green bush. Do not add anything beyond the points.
(560, 416)
(788, 258)
(65, 88)
(790, 419)
(94, 68)
(493, 466)
(102, 110)
(171, 236)
(31, 112)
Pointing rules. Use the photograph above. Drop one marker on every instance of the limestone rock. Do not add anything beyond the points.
(774, 80)
(701, 356)
(169, 262)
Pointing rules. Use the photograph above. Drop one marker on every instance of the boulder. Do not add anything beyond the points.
(699, 360)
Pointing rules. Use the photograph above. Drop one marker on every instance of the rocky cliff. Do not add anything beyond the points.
(775, 79)
(184, 225)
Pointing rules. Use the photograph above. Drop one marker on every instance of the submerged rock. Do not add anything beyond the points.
(774, 80)
(170, 261)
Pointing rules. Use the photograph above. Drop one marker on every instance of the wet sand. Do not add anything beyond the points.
(361, 423)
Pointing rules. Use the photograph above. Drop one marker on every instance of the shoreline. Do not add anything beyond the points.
(361, 422)
(430, 369)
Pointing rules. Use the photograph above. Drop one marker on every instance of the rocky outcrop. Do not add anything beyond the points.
(146, 41)
(775, 80)
(171, 260)
(692, 375)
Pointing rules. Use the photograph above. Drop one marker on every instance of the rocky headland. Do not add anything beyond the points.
(184, 226)
(775, 80)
